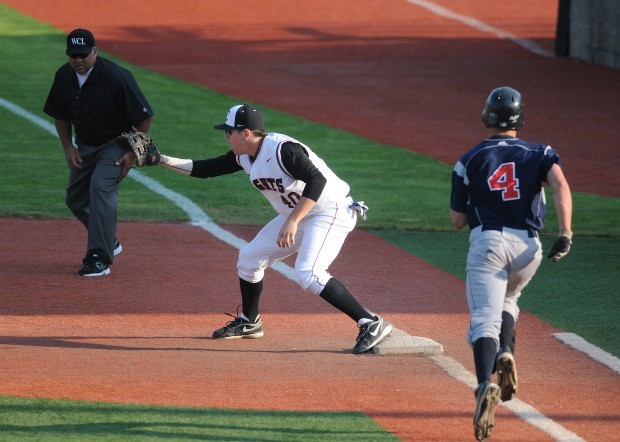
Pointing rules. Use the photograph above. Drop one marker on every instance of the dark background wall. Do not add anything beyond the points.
(589, 30)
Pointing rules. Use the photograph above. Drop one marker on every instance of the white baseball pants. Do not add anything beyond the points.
(318, 241)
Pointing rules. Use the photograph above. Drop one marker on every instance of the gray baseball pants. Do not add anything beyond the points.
(92, 195)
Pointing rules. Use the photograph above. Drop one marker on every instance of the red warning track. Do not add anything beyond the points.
(389, 71)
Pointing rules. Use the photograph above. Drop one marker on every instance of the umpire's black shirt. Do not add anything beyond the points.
(109, 103)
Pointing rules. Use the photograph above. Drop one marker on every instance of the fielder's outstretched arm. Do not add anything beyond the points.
(182, 166)
(222, 165)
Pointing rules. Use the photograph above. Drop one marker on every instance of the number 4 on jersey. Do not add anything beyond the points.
(504, 178)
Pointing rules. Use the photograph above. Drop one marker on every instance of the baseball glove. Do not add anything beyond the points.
(142, 145)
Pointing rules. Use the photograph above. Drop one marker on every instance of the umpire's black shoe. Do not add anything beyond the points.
(94, 266)
(240, 328)
(118, 248)
(371, 334)
(506, 373)
(487, 397)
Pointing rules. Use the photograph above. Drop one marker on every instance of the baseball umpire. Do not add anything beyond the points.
(497, 190)
(102, 100)
(315, 215)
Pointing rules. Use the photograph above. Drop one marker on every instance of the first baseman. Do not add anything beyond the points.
(315, 215)
(497, 190)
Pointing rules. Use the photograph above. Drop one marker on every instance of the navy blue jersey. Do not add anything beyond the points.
(498, 183)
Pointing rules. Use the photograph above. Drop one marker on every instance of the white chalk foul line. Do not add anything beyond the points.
(481, 26)
(526, 412)
(200, 219)
(596, 353)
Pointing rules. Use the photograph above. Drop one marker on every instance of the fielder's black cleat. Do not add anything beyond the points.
(240, 328)
(371, 334)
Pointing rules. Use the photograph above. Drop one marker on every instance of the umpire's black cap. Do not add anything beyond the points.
(80, 41)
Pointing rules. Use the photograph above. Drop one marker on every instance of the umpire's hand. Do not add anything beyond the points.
(128, 160)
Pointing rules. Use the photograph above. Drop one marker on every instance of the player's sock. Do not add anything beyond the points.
(507, 332)
(337, 295)
(250, 297)
(485, 350)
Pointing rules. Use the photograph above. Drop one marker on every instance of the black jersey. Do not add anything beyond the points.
(109, 103)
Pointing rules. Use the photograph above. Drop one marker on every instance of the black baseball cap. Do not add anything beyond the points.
(242, 116)
(80, 41)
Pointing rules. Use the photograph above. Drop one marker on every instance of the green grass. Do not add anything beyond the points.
(408, 195)
(404, 190)
(64, 420)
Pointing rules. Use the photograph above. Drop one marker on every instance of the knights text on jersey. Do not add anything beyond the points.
(268, 175)
(498, 183)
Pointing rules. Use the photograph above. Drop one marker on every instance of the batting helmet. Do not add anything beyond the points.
(504, 109)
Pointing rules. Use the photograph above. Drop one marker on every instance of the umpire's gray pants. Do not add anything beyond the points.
(92, 195)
